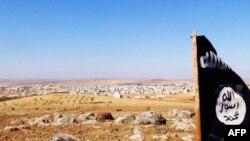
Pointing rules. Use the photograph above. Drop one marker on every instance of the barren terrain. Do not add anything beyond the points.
(16, 116)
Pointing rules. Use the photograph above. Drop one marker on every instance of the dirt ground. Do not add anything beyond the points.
(35, 106)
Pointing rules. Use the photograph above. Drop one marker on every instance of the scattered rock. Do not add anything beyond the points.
(64, 119)
(19, 121)
(187, 138)
(172, 113)
(125, 119)
(57, 115)
(90, 122)
(103, 116)
(40, 121)
(23, 127)
(87, 116)
(10, 128)
(186, 113)
(150, 117)
(64, 137)
(163, 137)
(137, 134)
(183, 124)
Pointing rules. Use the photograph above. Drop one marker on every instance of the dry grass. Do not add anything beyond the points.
(72, 103)
(76, 102)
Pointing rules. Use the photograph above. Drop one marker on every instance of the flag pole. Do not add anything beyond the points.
(196, 87)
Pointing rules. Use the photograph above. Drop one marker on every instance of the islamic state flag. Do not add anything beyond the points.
(224, 97)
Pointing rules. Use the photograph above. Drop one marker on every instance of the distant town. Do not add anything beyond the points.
(118, 90)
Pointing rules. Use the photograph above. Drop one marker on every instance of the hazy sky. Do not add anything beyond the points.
(118, 38)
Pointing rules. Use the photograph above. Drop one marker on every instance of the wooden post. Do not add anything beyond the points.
(196, 88)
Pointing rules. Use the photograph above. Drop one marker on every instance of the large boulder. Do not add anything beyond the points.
(103, 116)
(150, 117)
(125, 119)
(64, 137)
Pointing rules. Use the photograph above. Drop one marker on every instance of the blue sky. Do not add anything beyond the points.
(68, 39)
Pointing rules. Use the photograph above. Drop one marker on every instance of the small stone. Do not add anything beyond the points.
(137, 134)
(150, 117)
(125, 119)
(10, 128)
(64, 137)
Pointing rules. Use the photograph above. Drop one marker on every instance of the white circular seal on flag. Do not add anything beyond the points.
(230, 107)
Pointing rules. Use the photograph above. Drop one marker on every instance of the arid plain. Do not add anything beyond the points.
(144, 115)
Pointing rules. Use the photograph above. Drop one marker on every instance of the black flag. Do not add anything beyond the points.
(224, 97)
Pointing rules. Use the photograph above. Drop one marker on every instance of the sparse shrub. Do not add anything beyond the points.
(92, 99)
(148, 108)
(36, 108)
(118, 110)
